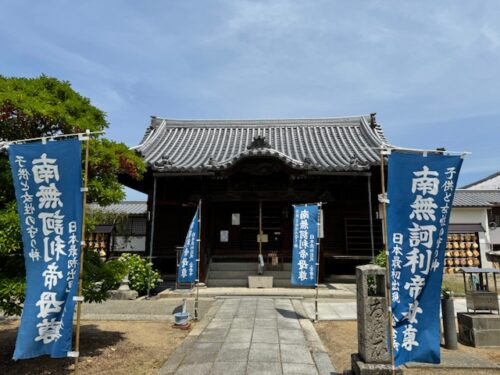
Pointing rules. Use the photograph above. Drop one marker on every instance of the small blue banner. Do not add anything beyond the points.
(305, 244)
(47, 180)
(420, 192)
(188, 263)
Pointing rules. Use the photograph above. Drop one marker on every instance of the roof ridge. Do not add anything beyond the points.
(260, 119)
(481, 180)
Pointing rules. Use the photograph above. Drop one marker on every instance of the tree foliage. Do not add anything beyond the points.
(45, 106)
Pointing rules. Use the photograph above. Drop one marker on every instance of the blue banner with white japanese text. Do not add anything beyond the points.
(47, 180)
(305, 244)
(420, 192)
(188, 264)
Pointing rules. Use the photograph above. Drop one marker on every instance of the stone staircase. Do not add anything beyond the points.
(235, 274)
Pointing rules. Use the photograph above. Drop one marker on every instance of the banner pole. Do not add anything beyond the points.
(152, 236)
(196, 301)
(387, 280)
(260, 227)
(82, 252)
(316, 314)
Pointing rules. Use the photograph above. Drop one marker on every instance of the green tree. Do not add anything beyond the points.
(45, 106)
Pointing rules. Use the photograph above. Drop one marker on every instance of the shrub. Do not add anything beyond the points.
(139, 272)
(380, 259)
(99, 277)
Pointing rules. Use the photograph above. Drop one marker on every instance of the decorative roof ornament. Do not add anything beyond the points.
(307, 162)
(258, 142)
(356, 165)
(211, 161)
(164, 162)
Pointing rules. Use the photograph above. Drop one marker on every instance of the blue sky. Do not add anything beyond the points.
(431, 70)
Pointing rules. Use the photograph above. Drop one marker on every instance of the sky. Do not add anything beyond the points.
(429, 69)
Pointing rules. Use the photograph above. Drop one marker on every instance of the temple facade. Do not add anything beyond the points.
(248, 174)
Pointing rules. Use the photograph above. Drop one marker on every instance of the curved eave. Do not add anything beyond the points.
(322, 145)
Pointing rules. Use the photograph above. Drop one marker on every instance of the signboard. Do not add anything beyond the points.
(47, 180)
(188, 264)
(420, 193)
(305, 244)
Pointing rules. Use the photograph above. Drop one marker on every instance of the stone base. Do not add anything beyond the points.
(123, 294)
(361, 368)
(479, 330)
(260, 281)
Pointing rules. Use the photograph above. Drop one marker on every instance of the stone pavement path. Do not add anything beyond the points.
(252, 336)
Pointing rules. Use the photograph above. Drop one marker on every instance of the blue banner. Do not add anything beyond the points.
(188, 264)
(305, 244)
(420, 192)
(47, 180)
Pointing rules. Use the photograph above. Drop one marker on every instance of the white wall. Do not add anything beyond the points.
(461, 215)
(130, 243)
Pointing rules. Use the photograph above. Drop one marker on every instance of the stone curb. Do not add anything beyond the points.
(318, 351)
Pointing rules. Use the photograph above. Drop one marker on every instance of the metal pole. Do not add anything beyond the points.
(82, 253)
(370, 212)
(50, 137)
(260, 227)
(152, 236)
(387, 280)
(316, 314)
(198, 264)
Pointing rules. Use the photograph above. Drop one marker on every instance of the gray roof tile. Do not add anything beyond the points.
(476, 198)
(125, 207)
(328, 144)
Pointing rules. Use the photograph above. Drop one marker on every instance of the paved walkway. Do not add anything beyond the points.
(329, 290)
(340, 309)
(251, 336)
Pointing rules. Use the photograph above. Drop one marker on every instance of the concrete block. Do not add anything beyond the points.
(234, 352)
(296, 354)
(224, 368)
(291, 336)
(479, 330)
(264, 368)
(239, 335)
(260, 281)
(299, 369)
(261, 352)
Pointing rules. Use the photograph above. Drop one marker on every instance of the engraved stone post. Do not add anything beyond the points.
(373, 356)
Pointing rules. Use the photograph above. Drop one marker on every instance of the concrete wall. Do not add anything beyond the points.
(461, 215)
(130, 243)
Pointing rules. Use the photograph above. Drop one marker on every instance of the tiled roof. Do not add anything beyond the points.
(481, 181)
(125, 207)
(329, 144)
(476, 198)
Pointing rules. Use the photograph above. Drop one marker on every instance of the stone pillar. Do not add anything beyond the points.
(373, 356)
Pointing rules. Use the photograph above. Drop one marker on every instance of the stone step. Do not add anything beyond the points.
(233, 266)
(282, 283)
(227, 282)
(241, 266)
(218, 274)
(277, 283)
